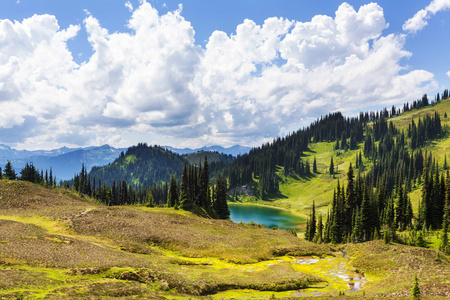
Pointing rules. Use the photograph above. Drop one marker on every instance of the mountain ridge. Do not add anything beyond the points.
(233, 150)
(65, 162)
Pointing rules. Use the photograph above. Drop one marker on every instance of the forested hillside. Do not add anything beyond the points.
(141, 166)
(262, 164)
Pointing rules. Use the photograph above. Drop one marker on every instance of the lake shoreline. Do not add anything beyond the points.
(269, 216)
(271, 206)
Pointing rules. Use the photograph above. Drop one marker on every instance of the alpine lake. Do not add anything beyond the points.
(267, 216)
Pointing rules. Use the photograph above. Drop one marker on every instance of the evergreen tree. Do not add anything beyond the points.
(9, 172)
(315, 165)
(114, 195)
(50, 178)
(172, 196)
(30, 173)
(401, 208)
(415, 293)
(331, 166)
(220, 203)
(427, 188)
(319, 235)
(185, 201)
(344, 141)
(350, 201)
(150, 200)
(358, 230)
(312, 223)
(123, 194)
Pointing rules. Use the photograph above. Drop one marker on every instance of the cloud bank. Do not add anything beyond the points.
(157, 85)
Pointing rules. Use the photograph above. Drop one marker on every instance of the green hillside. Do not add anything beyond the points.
(298, 193)
(141, 166)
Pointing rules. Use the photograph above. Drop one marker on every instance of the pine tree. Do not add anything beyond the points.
(51, 178)
(358, 230)
(172, 195)
(220, 203)
(312, 225)
(401, 208)
(315, 165)
(415, 293)
(409, 213)
(149, 199)
(331, 166)
(185, 201)
(343, 141)
(9, 172)
(326, 236)
(123, 193)
(427, 187)
(307, 230)
(350, 200)
(319, 235)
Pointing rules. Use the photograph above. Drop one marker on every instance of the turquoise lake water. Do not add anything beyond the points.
(265, 215)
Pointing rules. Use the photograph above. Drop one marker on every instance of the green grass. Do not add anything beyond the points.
(297, 193)
(391, 268)
(62, 246)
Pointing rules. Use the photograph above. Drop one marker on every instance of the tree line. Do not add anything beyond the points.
(193, 192)
(29, 173)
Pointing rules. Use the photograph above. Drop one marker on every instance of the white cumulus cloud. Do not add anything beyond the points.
(271, 76)
(155, 84)
(419, 20)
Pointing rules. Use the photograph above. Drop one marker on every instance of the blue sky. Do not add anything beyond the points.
(193, 73)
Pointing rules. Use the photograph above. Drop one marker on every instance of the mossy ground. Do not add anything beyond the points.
(53, 246)
(60, 246)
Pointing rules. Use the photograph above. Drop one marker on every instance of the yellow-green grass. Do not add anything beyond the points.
(298, 194)
(65, 247)
(403, 120)
(390, 270)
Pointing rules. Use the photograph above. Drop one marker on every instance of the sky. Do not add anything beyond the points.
(197, 73)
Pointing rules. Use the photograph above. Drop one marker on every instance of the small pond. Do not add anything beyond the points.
(268, 216)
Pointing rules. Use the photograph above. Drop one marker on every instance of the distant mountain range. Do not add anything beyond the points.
(234, 150)
(65, 162)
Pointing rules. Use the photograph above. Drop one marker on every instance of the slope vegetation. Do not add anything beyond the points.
(299, 192)
(61, 245)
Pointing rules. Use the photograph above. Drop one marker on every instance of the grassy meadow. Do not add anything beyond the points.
(59, 244)
(54, 245)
